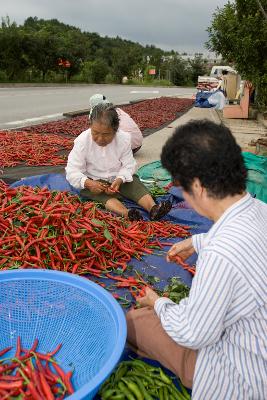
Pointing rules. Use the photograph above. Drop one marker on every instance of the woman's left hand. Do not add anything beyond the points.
(149, 299)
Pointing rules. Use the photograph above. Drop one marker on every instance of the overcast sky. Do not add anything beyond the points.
(169, 24)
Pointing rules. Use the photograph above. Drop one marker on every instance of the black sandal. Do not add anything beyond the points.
(158, 211)
(134, 215)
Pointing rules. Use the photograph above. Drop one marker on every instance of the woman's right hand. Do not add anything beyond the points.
(184, 249)
(95, 187)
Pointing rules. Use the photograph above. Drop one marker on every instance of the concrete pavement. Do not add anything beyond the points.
(243, 130)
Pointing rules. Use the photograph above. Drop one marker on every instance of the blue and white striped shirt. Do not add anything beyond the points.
(225, 315)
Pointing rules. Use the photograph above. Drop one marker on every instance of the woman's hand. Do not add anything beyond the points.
(95, 187)
(149, 299)
(114, 187)
(184, 249)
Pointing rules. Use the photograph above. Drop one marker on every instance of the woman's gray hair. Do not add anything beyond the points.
(105, 112)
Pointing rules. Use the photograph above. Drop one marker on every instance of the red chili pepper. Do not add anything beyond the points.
(18, 350)
(68, 382)
(11, 385)
(56, 350)
(46, 388)
(33, 391)
(10, 378)
(4, 351)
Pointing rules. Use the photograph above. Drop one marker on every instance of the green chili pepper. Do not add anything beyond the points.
(175, 393)
(164, 377)
(159, 382)
(172, 397)
(141, 375)
(161, 394)
(138, 363)
(165, 393)
(123, 388)
(107, 394)
(106, 385)
(133, 388)
(184, 391)
(142, 388)
(143, 365)
(121, 371)
(119, 396)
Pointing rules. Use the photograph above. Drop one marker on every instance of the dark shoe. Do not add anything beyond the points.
(158, 211)
(134, 215)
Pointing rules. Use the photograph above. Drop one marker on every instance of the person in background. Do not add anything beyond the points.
(102, 166)
(127, 124)
(215, 340)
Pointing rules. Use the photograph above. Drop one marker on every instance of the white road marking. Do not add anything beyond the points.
(144, 91)
(24, 121)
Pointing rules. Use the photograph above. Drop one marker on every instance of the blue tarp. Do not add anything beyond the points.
(202, 100)
(154, 265)
(150, 264)
(51, 181)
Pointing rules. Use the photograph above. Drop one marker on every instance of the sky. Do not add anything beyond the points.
(169, 24)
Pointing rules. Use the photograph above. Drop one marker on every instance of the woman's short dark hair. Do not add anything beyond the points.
(209, 152)
(105, 112)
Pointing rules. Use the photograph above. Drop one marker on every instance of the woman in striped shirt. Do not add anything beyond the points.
(216, 339)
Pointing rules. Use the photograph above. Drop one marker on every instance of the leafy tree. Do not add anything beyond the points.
(13, 49)
(198, 67)
(177, 70)
(38, 44)
(95, 71)
(239, 33)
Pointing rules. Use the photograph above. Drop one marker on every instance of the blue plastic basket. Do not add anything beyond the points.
(58, 307)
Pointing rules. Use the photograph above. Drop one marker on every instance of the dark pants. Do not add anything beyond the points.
(134, 191)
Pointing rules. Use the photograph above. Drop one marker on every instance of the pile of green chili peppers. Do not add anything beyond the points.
(156, 190)
(137, 380)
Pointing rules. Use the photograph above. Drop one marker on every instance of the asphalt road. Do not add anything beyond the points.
(22, 106)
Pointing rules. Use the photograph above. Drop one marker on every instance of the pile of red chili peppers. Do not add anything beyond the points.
(148, 114)
(55, 230)
(33, 375)
(32, 149)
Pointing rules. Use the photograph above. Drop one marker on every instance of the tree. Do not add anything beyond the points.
(198, 67)
(239, 33)
(177, 71)
(38, 44)
(13, 49)
(95, 71)
(53, 40)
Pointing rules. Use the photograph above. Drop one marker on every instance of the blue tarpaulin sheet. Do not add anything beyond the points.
(154, 264)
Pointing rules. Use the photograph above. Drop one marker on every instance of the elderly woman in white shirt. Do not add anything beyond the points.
(102, 166)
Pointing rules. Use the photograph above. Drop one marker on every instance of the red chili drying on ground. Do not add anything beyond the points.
(147, 114)
(153, 113)
(33, 375)
(55, 230)
(32, 149)
(26, 146)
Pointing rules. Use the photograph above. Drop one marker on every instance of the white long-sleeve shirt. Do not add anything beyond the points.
(88, 160)
(127, 124)
(225, 315)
